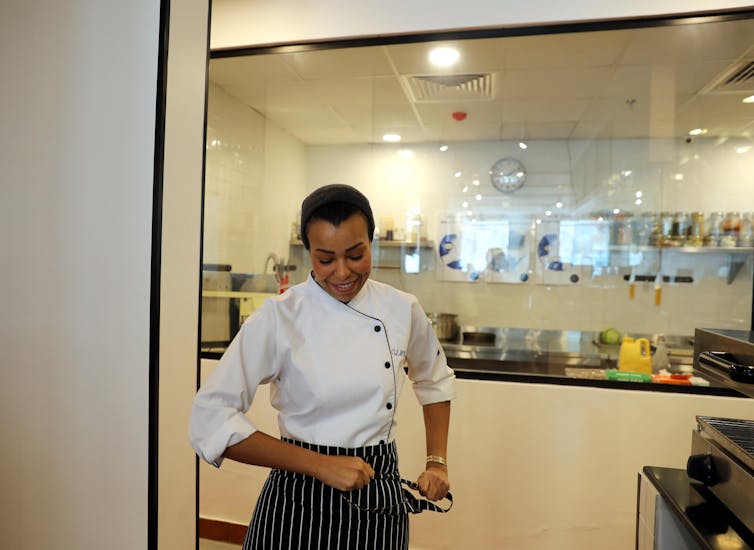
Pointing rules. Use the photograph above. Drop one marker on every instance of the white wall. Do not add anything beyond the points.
(256, 177)
(77, 150)
(531, 465)
(77, 156)
(250, 22)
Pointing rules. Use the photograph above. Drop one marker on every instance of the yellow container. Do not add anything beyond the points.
(635, 355)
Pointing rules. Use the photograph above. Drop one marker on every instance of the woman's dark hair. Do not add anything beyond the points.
(334, 213)
(335, 203)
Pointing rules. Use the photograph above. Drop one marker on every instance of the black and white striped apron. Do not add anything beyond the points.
(296, 511)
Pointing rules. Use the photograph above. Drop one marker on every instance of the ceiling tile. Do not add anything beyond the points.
(543, 111)
(571, 83)
(250, 69)
(577, 84)
(695, 42)
(586, 49)
(345, 62)
(476, 56)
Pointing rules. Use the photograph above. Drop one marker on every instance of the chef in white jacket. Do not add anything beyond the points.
(335, 350)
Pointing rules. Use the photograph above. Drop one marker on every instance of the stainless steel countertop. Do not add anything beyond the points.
(562, 347)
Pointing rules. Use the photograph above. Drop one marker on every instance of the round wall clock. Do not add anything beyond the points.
(508, 175)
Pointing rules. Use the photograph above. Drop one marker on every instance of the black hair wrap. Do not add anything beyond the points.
(335, 193)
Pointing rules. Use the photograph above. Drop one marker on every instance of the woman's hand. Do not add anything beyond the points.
(344, 473)
(433, 482)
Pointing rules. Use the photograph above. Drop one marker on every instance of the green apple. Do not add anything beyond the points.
(610, 336)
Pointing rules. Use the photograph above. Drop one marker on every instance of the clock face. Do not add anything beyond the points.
(508, 175)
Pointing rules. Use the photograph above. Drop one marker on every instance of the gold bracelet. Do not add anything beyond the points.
(438, 459)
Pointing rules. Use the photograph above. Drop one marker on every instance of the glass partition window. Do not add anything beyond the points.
(570, 181)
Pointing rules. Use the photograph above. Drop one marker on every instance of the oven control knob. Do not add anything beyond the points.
(702, 468)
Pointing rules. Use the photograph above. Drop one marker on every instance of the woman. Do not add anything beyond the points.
(334, 349)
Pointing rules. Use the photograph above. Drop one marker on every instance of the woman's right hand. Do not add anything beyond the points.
(345, 473)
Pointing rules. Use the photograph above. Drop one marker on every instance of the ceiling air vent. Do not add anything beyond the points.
(454, 87)
(738, 78)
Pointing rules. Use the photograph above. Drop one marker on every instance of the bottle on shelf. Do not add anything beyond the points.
(731, 228)
(746, 231)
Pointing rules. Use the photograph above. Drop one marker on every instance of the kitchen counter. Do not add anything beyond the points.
(562, 357)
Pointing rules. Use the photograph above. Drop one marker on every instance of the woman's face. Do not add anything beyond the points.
(341, 256)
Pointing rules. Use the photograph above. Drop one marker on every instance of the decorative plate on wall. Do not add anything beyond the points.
(508, 175)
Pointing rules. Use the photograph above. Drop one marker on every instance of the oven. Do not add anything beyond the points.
(710, 503)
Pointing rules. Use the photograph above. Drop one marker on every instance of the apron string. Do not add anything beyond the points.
(417, 505)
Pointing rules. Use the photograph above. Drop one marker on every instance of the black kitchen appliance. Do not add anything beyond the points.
(710, 505)
(722, 449)
(722, 458)
(726, 357)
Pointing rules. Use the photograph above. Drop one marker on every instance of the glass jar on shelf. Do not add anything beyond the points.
(624, 229)
(730, 229)
(645, 229)
(678, 225)
(666, 224)
(746, 230)
(695, 235)
(714, 229)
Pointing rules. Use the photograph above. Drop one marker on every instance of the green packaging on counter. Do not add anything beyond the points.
(627, 376)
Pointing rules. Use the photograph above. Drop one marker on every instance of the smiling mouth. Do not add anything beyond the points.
(344, 287)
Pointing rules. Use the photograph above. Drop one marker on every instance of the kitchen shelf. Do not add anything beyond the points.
(737, 255)
(402, 244)
(235, 294)
(735, 250)
(382, 243)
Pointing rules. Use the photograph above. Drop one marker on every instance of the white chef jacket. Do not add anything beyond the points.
(336, 370)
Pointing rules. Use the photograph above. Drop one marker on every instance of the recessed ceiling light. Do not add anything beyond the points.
(548, 212)
(465, 204)
(522, 145)
(697, 131)
(558, 204)
(391, 137)
(443, 148)
(749, 99)
(406, 153)
(458, 174)
(443, 57)
(616, 210)
(639, 194)
(478, 197)
(743, 149)
(638, 202)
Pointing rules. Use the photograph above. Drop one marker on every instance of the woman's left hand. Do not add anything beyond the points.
(433, 482)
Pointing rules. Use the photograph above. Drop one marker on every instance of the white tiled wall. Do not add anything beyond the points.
(255, 179)
(257, 176)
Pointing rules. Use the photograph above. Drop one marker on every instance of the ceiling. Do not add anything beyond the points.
(629, 83)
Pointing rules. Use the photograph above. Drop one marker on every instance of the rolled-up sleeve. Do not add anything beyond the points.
(433, 380)
(218, 415)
